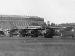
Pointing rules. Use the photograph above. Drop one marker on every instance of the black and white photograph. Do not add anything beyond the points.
(37, 27)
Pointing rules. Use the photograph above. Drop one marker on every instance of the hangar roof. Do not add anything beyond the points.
(18, 17)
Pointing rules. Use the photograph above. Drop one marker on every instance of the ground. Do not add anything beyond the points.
(36, 47)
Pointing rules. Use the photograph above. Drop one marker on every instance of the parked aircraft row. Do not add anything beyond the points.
(48, 32)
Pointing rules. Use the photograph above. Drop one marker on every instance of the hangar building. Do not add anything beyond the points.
(21, 22)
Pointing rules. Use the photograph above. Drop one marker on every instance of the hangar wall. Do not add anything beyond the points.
(11, 21)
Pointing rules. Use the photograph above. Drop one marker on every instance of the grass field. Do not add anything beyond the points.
(37, 47)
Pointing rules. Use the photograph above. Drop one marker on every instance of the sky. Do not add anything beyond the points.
(57, 11)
